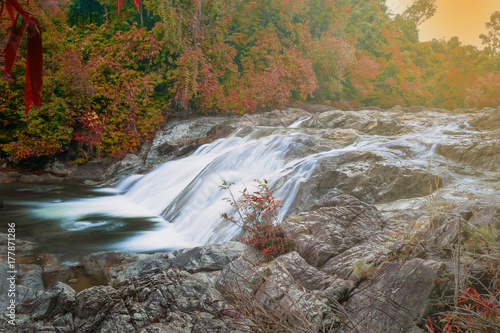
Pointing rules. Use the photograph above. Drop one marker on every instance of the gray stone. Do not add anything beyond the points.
(206, 258)
(30, 283)
(57, 299)
(333, 233)
(400, 296)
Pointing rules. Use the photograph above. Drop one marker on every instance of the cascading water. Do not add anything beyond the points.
(178, 204)
(183, 196)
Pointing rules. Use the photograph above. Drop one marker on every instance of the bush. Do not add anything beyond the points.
(257, 217)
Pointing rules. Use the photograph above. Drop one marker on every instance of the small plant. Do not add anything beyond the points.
(437, 206)
(113, 283)
(362, 269)
(258, 219)
(477, 306)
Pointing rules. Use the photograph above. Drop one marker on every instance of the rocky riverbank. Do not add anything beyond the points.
(373, 231)
(344, 275)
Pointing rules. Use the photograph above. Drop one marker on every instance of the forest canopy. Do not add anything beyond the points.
(113, 77)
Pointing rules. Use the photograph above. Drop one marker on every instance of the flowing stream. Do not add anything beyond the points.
(178, 204)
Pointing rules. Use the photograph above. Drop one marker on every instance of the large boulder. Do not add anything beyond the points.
(488, 121)
(478, 150)
(332, 235)
(400, 296)
(287, 288)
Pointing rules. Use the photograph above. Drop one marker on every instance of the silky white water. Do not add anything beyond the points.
(180, 202)
(183, 196)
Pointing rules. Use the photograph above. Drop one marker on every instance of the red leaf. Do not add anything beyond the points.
(14, 40)
(137, 4)
(10, 11)
(34, 64)
(20, 10)
(119, 5)
(28, 96)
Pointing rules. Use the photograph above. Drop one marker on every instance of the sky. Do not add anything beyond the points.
(463, 18)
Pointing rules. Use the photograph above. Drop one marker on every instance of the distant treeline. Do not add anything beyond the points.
(111, 79)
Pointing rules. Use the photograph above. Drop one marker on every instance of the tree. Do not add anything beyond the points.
(420, 11)
(25, 21)
(492, 39)
(34, 59)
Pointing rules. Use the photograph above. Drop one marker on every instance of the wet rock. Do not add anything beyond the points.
(332, 234)
(478, 150)
(23, 247)
(313, 108)
(356, 120)
(343, 137)
(124, 167)
(489, 121)
(368, 176)
(400, 296)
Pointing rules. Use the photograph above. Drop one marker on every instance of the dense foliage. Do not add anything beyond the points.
(111, 78)
(256, 214)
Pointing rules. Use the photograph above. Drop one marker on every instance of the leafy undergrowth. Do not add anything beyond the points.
(477, 305)
(257, 216)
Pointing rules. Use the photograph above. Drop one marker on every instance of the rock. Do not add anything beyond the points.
(415, 109)
(478, 150)
(157, 301)
(286, 288)
(343, 137)
(400, 296)
(489, 121)
(312, 108)
(368, 176)
(489, 214)
(242, 275)
(56, 300)
(30, 283)
(355, 120)
(206, 258)
(23, 247)
(332, 234)
(92, 170)
(5, 179)
(124, 167)
(61, 168)
(114, 265)
(29, 179)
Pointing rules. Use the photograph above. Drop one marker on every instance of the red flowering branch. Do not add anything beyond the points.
(258, 219)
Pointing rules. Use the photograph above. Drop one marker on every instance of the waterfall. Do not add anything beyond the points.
(182, 197)
(178, 204)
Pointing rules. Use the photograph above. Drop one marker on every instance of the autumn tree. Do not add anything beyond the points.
(420, 11)
(492, 38)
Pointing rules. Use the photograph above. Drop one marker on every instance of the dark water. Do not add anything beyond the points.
(90, 233)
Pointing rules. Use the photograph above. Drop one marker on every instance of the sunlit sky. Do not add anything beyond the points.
(463, 18)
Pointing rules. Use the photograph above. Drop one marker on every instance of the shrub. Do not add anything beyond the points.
(257, 212)
(362, 269)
